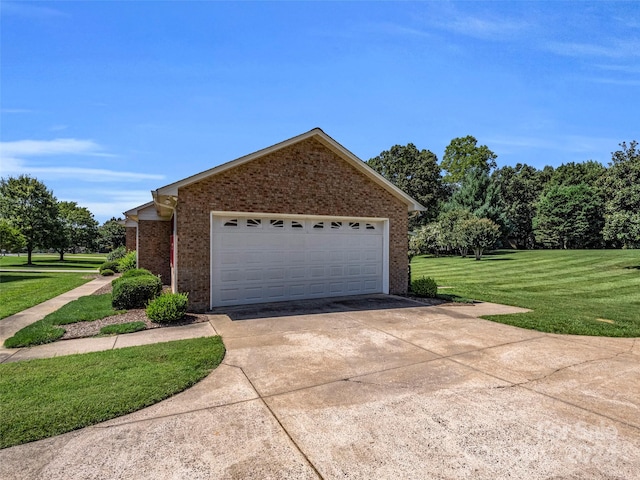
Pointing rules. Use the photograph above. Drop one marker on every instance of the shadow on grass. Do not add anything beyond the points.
(6, 277)
(634, 267)
(71, 263)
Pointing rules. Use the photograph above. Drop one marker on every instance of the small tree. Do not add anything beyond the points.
(451, 237)
(425, 240)
(480, 233)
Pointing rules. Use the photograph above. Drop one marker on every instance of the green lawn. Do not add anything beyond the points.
(84, 261)
(19, 291)
(83, 309)
(43, 398)
(567, 290)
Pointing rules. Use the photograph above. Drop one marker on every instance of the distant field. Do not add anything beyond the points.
(582, 292)
(88, 261)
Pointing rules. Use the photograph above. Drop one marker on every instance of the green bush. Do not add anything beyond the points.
(136, 272)
(110, 265)
(168, 308)
(425, 287)
(135, 292)
(106, 272)
(128, 262)
(117, 254)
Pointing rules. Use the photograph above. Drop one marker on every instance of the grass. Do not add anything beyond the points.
(84, 261)
(43, 398)
(84, 309)
(120, 328)
(574, 292)
(19, 291)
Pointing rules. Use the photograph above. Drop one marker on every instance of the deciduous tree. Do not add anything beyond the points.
(565, 217)
(11, 240)
(77, 228)
(621, 187)
(480, 234)
(416, 172)
(462, 154)
(31, 208)
(111, 235)
(518, 189)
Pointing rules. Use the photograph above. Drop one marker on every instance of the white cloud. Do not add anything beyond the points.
(29, 10)
(31, 148)
(484, 28)
(13, 154)
(577, 144)
(105, 204)
(615, 49)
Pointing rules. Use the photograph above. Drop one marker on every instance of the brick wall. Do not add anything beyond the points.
(131, 233)
(305, 178)
(155, 248)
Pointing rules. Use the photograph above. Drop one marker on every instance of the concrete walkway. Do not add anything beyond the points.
(373, 387)
(10, 325)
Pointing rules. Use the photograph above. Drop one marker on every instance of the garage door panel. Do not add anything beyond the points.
(253, 274)
(253, 293)
(317, 288)
(276, 261)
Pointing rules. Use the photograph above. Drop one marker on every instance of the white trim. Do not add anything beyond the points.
(385, 257)
(137, 246)
(326, 140)
(174, 286)
(211, 260)
(134, 211)
(292, 215)
(385, 238)
(129, 222)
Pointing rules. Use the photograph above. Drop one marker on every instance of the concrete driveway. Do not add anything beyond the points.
(374, 387)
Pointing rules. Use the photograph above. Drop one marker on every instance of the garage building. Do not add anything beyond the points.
(304, 218)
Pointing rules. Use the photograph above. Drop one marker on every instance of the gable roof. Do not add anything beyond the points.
(165, 197)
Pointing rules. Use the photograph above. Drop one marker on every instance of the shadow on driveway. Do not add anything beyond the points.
(319, 306)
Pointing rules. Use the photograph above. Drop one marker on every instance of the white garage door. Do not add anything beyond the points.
(267, 258)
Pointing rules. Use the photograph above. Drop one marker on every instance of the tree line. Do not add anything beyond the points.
(32, 218)
(576, 205)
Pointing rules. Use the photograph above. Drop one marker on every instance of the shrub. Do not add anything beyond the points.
(107, 272)
(425, 287)
(128, 262)
(135, 292)
(111, 265)
(136, 272)
(168, 308)
(117, 254)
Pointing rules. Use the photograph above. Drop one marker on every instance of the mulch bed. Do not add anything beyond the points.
(90, 329)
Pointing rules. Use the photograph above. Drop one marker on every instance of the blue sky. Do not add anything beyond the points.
(104, 101)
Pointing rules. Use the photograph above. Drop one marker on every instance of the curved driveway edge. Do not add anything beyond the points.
(376, 387)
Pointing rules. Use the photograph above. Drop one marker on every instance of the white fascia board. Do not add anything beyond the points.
(129, 222)
(412, 205)
(150, 213)
(133, 213)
